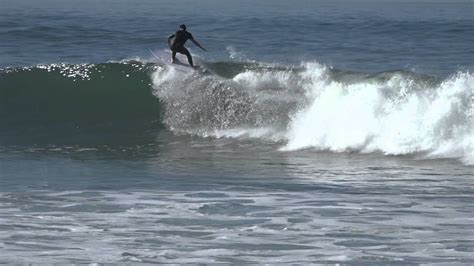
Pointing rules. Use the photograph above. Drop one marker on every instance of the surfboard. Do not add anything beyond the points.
(164, 57)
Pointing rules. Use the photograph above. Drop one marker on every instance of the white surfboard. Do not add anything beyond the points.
(164, 57)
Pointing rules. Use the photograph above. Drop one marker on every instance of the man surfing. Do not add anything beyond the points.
(176, 43)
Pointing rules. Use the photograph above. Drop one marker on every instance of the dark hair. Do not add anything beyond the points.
(182, 26)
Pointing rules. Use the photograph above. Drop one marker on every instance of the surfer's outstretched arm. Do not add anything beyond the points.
(197, 44)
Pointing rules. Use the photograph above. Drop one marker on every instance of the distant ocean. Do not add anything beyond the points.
(320, 132)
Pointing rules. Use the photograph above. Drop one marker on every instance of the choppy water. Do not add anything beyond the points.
(320, 132)
(215, 201)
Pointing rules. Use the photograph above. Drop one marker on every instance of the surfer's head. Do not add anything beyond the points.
(182, 27)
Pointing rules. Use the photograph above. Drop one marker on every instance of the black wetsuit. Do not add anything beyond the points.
(177, 44)
(180, 38)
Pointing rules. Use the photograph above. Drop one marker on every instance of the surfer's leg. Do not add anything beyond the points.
(188, 55)
(173, 56)
(190, 58)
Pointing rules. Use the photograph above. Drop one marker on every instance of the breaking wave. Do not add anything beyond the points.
(308, 106)
(315, 107)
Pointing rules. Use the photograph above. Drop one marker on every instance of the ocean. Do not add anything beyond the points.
(315, 132)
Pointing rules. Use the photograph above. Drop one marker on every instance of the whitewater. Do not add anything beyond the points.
(313, 106)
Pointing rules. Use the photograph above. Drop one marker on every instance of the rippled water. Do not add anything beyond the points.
(216, 202)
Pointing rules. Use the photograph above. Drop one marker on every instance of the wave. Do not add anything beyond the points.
(66, 101)
(307, 106)
(315, 107)
(400, 115)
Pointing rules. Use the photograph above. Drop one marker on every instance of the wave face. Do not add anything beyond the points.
(309, 106)
(74, 102)
(312, 106)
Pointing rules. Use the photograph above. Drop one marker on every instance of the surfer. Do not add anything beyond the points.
(176, 43)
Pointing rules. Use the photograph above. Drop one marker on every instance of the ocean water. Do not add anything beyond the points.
(319, 132)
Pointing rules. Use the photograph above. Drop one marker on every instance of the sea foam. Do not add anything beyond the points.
(397, 116)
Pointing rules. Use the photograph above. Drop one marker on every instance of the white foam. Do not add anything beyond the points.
(398, 116)
(234, 54)
(395, 113)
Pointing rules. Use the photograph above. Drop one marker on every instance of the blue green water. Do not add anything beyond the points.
(319, 132)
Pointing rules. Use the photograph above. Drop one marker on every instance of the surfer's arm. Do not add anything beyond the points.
(197, 44)
(169, 39)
